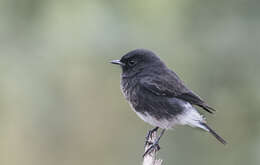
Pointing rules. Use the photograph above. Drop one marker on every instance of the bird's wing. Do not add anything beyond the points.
(196, 100)
(169, 85)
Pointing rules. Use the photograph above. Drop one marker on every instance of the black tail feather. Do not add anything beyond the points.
(220, 139)
(207, 108)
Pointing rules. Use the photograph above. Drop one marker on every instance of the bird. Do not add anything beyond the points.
(158, 96)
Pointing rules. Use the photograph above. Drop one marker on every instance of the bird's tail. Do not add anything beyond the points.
(220, 139)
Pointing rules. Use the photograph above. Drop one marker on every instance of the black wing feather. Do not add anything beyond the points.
(171, 86)
(194, 99)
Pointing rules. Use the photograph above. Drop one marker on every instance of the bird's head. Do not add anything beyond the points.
(136, 61)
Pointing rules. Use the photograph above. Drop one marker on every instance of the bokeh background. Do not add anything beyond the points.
(60, 101)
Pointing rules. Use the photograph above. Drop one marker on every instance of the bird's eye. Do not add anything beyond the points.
(131, 62)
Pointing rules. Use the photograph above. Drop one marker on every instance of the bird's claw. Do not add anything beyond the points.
(149, 134)
(155, 146)
(147, 142)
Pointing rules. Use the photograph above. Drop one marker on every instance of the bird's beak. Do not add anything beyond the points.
(117, 62)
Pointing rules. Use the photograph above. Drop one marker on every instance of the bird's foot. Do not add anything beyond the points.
(149, 134)
(153, 147)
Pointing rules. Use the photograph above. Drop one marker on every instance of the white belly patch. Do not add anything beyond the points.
(190, 116)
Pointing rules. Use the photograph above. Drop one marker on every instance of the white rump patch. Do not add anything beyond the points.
(191, 117)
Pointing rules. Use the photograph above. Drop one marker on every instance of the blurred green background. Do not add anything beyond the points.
(60, 101)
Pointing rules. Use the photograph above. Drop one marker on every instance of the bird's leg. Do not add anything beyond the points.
(155, 145)
(150, 132)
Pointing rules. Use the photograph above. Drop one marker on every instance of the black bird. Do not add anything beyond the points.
(158, 95)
